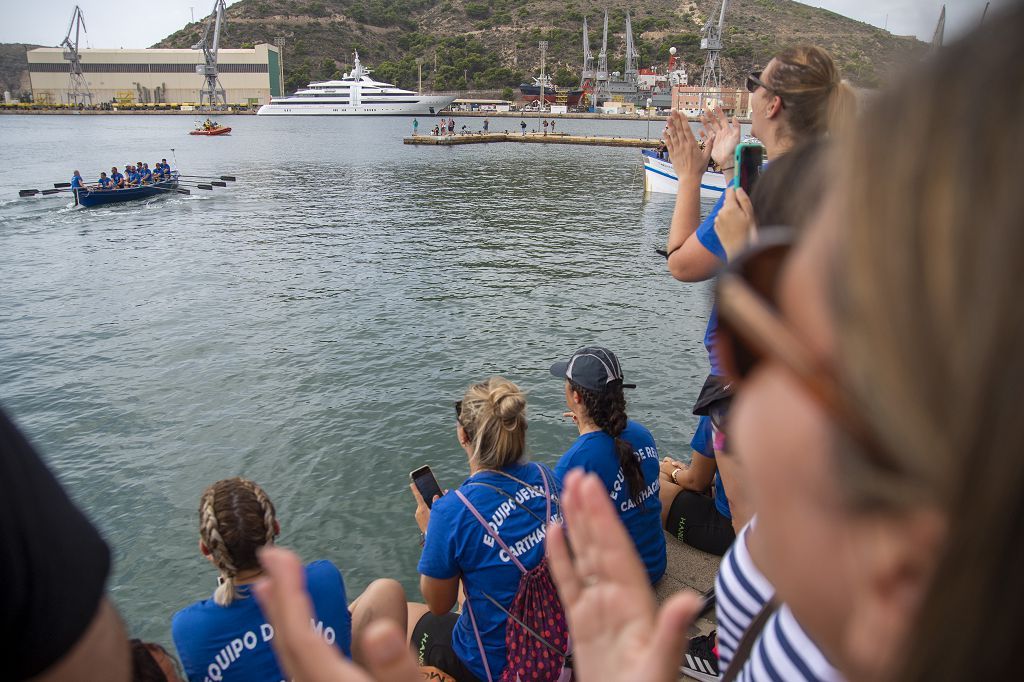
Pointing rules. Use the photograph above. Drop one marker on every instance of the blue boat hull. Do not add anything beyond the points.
(87, 198)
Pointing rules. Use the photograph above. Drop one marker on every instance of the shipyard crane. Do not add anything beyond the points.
(711, 42)
(587, 75)
(940, 29)
(78, 90)
(212, 92)
(602, 87)
(631, 72)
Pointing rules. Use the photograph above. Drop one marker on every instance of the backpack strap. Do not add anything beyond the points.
(476, 633)
(490, 531)
(746, 645)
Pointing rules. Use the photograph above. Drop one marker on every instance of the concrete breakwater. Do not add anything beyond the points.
(534, 138)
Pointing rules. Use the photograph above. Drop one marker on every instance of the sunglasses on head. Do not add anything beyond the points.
(751, 330)
(754, 82)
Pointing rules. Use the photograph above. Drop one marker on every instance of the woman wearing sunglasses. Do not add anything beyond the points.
(878, 365)
(797, 98)
(516, 498)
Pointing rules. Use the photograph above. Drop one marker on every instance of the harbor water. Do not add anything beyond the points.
(310, 325)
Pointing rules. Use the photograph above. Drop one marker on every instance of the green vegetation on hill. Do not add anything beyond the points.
(492, 44)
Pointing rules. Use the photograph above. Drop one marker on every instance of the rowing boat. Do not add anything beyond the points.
(98, 197)
(219, 130)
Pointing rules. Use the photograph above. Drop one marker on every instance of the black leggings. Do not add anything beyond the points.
(694, 519)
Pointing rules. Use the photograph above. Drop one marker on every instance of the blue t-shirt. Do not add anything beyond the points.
(116, 178)
(233, 643)
(708, 238)
(133, 177)
(147, 174)
(457, 544)
(595, 452)
(167, 168)
(104, 182)
(76, 181)
(703, 442)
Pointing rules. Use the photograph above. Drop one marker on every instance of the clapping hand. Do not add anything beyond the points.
(734, 224)
(725, 135)
(618, 632)
(303, 654)
(688, 159)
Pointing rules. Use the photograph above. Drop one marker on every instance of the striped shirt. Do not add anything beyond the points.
(783, 651)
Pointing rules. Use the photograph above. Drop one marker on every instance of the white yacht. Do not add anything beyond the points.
(356, 94)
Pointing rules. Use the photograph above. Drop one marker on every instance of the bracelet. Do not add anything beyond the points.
(423, 538)
(673, 476)
(725, 168)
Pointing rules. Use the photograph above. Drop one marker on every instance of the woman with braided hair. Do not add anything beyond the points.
(620, 451)
(226, 637)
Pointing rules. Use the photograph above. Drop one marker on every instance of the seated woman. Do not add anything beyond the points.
(516, 497)
(226, 637)
(692, 515)
(620, 451)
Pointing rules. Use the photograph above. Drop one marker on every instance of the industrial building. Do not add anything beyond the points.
(153, 76)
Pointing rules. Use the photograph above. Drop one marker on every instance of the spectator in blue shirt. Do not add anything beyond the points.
(620, 451)
(514, 496)
(226, 637)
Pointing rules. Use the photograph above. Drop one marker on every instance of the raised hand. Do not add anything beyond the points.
(725, 133)
(618, 633)
(303, 654)
(688, 159)
(734, 223)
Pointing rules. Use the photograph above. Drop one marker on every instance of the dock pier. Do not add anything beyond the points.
(534, 138)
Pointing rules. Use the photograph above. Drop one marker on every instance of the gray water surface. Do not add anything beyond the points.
(310, 325)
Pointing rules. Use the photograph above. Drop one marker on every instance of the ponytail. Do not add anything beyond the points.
(817, 100)
(608, 411)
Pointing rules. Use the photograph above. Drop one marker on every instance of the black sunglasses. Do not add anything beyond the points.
(754, 82)
(750, 329)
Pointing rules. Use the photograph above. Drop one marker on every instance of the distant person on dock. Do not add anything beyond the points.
(619, 450)
(552, 126)
(522, 127)
(236, 520)
(513, 494)
(486, 124)
(116, 179)
(76, 180)
(415, 126)
(57, 622)
(545, 124)
(451, 126)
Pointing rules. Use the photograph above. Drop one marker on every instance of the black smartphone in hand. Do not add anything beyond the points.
(426, 484)
(749, 158)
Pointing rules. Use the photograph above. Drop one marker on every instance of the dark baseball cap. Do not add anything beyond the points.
(592, 367)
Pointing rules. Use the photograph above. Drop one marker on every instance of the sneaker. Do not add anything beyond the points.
(701, 662)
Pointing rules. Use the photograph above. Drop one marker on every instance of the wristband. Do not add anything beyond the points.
(673, 476)
(725, 168)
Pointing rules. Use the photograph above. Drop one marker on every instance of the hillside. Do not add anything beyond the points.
(14, 68)
(490, 44)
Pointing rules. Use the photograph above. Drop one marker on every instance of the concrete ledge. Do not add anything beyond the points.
(688, 568)
(536, 138)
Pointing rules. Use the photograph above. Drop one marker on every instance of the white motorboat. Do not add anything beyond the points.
(660, 176)
(356, 94)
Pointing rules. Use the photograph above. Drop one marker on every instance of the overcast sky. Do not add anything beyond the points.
(128, 23)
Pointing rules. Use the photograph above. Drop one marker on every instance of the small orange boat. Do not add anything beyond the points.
(218, 130)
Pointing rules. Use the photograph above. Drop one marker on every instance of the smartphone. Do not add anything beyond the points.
(749, 158)
(423, 479)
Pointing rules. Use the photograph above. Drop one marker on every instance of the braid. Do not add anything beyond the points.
(235, 519)
(608, 410)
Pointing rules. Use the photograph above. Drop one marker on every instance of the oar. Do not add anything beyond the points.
(33, 192)
(228, 178)
(62, 184)
(179, 190)
(197, 186)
